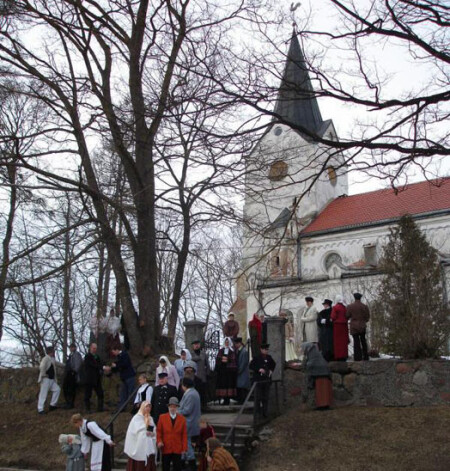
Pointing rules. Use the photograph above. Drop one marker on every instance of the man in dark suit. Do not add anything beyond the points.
(93, 370)
(171, 436)
(161, 395)
(243, 374)
(262, 366)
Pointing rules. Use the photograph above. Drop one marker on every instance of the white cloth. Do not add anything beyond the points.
(148, 393)
(138, 445)
(46, 386)
(44, 365)
(112, 325)
(96, 448)
(102, 325)
(93, 325)
(226, 349)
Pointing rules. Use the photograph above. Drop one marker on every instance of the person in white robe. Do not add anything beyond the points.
(47, 381)
(140, 441)
(95, 440)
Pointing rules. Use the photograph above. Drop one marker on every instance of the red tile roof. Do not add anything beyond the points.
(375, 206)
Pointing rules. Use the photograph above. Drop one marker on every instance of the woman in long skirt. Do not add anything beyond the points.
(226, 372)
(340, 330)
(140, 441)
(318, 375)
(289, 336)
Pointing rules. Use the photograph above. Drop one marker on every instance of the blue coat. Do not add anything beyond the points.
(243, 375)
(190, 407)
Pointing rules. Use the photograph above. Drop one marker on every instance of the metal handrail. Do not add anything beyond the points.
(110, 426)
(231, 432)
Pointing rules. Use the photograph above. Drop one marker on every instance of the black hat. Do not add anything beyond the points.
(195, 341)
(327, 301)
(162, 375)
(237, 340)
(265, 346)
(188, 382)
(308, 298)
(357, 295)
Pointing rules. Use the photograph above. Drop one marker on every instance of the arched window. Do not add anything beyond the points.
(332, 258)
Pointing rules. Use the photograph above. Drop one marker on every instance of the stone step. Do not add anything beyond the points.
(233, 408)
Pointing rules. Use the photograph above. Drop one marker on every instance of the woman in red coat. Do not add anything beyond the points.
(340, 330)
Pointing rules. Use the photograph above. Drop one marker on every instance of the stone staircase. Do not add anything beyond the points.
(221, 418)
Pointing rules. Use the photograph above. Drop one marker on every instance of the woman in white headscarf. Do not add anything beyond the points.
(180, 363)
(166, 367)
(226, 372)
(140, 441)
(340, 330)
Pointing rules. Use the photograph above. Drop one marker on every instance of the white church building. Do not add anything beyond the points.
(303, 234)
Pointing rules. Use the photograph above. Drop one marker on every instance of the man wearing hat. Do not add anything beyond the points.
(71, 376)
(325, 330)
(359, 315)
(171, 436)
(307, 324)
(262, 367)
(190, 407)
(243, 375)
(161, 395)
(231, 327)
(202, 373)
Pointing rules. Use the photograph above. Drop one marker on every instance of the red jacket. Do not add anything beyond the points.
(338, 314)
(174, 437)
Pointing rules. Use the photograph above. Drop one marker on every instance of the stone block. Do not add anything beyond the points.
(340, 394)
(420, 378)
(349, 381)
(445, 396)
(336, 379)
(340, 367)
(403, 368)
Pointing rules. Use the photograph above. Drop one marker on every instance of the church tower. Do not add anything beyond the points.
(291, 178)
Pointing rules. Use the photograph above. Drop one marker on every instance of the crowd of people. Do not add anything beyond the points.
(167, 426)
(330, 328)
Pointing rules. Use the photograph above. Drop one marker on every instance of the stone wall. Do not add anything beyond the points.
(20, 386)
(379, 383)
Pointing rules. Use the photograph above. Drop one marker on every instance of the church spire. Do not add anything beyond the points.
(296, 102)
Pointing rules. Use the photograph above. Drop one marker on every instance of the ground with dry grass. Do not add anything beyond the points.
(356, 438)
(353, 438)
(29, 440)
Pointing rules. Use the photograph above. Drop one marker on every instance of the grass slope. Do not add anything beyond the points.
(369, 439)
(29, 440)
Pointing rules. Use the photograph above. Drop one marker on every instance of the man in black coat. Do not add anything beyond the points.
(93, 370)
(161, 395)
(71, 376)
(325, 330)
(262, 366)
(124, 367)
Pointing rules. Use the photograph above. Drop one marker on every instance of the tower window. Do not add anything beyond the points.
(278, 170)
(332, 177)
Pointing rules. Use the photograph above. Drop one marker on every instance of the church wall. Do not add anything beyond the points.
(350, 246)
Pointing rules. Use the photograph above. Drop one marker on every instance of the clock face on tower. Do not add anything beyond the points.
(278, 170)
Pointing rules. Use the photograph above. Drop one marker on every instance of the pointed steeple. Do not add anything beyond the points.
(296, 102)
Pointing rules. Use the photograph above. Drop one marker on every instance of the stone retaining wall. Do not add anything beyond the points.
(379, 383)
